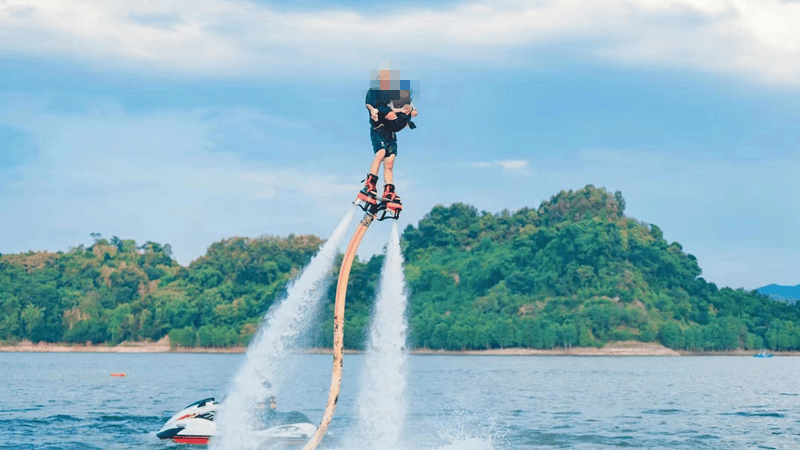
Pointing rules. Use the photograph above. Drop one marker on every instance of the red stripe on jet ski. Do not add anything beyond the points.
(200, 440)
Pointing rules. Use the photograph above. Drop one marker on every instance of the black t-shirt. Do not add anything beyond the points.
(381, 100)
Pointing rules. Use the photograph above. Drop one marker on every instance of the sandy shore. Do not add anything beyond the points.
(627, 348)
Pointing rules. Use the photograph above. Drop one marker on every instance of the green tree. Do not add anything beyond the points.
(184, 337)
(671, 335)
(32, 317)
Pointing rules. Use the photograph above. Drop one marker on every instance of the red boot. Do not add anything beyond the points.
(369, 193)
(389, 195)
(392, 202)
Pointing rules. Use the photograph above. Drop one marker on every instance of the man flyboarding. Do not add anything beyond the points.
(390, 111)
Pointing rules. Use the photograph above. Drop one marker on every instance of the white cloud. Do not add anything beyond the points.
(156, 177)
(755, 38)
(513, 164)
(510, 165)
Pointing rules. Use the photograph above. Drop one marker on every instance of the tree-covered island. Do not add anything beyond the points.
(574, 272)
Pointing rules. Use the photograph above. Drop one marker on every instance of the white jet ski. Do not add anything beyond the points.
(195, 425)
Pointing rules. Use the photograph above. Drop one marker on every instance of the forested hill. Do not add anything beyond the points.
(573, 272)
(115, 291)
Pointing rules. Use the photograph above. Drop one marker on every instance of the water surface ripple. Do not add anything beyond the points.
(69, 401)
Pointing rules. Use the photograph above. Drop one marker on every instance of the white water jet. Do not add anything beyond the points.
(381, 401)
(265, 368)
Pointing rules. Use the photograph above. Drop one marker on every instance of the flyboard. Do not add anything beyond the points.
(379, 209)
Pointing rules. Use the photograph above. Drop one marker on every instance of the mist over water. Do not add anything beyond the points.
(266, 366)
(381, 400)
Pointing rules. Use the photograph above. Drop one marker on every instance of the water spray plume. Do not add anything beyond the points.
(264, 369)
(381, 402)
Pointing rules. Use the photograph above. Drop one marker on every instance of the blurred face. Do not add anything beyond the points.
(385, 77)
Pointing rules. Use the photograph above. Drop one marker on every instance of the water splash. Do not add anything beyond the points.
(381, 401)
(266, 365)
(471, 430)
(470, 444)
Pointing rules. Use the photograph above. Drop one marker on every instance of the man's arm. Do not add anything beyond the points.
(373, 112)
(376, 103)
(406, 109)
(369, 101)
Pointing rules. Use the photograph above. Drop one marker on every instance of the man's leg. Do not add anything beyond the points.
(388, 167)
(376, 162)
(388, 175)
(370, 189)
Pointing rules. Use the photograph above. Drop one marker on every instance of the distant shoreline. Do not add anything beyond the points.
(627, 348)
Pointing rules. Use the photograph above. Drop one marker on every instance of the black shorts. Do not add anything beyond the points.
(383, 140)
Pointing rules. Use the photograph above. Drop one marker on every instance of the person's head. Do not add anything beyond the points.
(380, 79)
(385, 79)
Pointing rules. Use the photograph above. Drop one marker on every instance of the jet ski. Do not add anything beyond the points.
(195, 424)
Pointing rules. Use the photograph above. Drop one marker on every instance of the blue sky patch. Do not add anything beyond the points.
(189, 127)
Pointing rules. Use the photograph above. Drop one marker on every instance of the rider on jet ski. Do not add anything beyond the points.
(271, 417)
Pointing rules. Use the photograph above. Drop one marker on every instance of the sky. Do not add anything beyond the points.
(187, 122)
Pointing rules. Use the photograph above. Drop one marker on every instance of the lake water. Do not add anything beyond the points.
(69, 401)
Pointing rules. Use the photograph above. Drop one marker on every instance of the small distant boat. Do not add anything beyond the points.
(763, 354)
